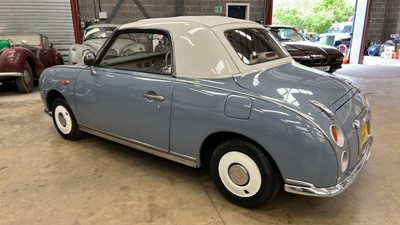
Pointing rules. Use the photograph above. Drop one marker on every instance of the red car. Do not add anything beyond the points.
(23, 57)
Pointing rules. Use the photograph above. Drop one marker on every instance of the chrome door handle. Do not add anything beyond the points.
(154, 97)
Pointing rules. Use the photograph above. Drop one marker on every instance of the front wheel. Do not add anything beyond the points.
(243, 174)
(64, 120)
(25, 83)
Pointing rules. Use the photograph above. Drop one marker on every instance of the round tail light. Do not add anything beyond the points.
(337, 135)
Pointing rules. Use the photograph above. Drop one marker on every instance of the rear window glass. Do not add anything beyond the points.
(254, 45)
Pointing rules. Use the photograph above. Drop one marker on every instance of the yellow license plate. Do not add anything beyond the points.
(364, 133)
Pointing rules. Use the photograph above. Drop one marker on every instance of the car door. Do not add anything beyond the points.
(130, 95)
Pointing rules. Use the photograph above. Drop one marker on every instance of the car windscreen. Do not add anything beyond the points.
(98, 32)
(254, 45)
(285, 34)
(340, 29)
(31, 39)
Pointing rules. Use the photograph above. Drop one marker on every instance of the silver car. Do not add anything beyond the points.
(94, 38)
(218, 92)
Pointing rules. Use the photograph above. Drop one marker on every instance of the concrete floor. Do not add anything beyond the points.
(45, 179)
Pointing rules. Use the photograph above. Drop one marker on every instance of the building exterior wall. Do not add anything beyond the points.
(384, 16)
(392, 19)
(377, 18)
(384, 20)
(130, 12)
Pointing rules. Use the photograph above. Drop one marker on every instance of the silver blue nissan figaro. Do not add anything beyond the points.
(220, 92)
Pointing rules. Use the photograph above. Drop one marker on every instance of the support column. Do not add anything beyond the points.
(360, 30)
(268, 12)
(75, 21)
(179, 7)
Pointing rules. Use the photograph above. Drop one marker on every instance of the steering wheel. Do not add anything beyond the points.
(167, 66)
(167, 55)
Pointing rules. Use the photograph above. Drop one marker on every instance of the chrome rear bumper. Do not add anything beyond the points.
(305, 188)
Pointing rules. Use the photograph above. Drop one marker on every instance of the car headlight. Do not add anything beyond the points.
(337, 135)
(112, 52)
(301, 57)
(339, 59)
(127, 52)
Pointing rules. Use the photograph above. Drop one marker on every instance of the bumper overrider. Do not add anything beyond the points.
(305, 188)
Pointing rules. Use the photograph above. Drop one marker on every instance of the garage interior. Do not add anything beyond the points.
(48, 180)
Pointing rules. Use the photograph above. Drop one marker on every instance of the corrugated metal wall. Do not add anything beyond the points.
(49, 17)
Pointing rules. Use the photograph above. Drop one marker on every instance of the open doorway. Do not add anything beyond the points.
(238, 10)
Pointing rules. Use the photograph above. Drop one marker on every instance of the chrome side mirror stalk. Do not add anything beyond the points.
(89, 58)
(92, 71)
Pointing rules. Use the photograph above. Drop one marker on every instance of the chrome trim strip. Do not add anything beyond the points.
(305, 188)
(176, 157)
(323, 108)
(11, 74)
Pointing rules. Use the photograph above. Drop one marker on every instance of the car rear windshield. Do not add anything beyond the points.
(254, 45)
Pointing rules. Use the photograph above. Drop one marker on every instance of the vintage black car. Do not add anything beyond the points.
(317, 56)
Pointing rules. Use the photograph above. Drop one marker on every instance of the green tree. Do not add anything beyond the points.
(314, 15)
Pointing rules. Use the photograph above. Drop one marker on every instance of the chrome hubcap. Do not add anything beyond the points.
(238, 174)
(63, 119)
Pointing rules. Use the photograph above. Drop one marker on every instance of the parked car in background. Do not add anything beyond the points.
(219, 92)
(317, 56)
(340, 33)
(23, 56)
(93, 38)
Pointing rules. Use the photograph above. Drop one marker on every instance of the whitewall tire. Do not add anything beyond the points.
(64, 120)
(244, 174)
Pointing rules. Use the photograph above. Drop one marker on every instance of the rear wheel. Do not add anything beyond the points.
(64, 120)
(243, 174)
(25, 83)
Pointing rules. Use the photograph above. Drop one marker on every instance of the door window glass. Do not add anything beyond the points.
(139, 51)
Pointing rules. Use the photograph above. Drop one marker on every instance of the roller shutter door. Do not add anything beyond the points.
(52, 18)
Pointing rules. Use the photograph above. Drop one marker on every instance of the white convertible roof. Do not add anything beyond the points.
(200, 48)
(207, 21)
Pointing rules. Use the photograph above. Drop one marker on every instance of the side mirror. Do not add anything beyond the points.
(89, 58)
(51, 45)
